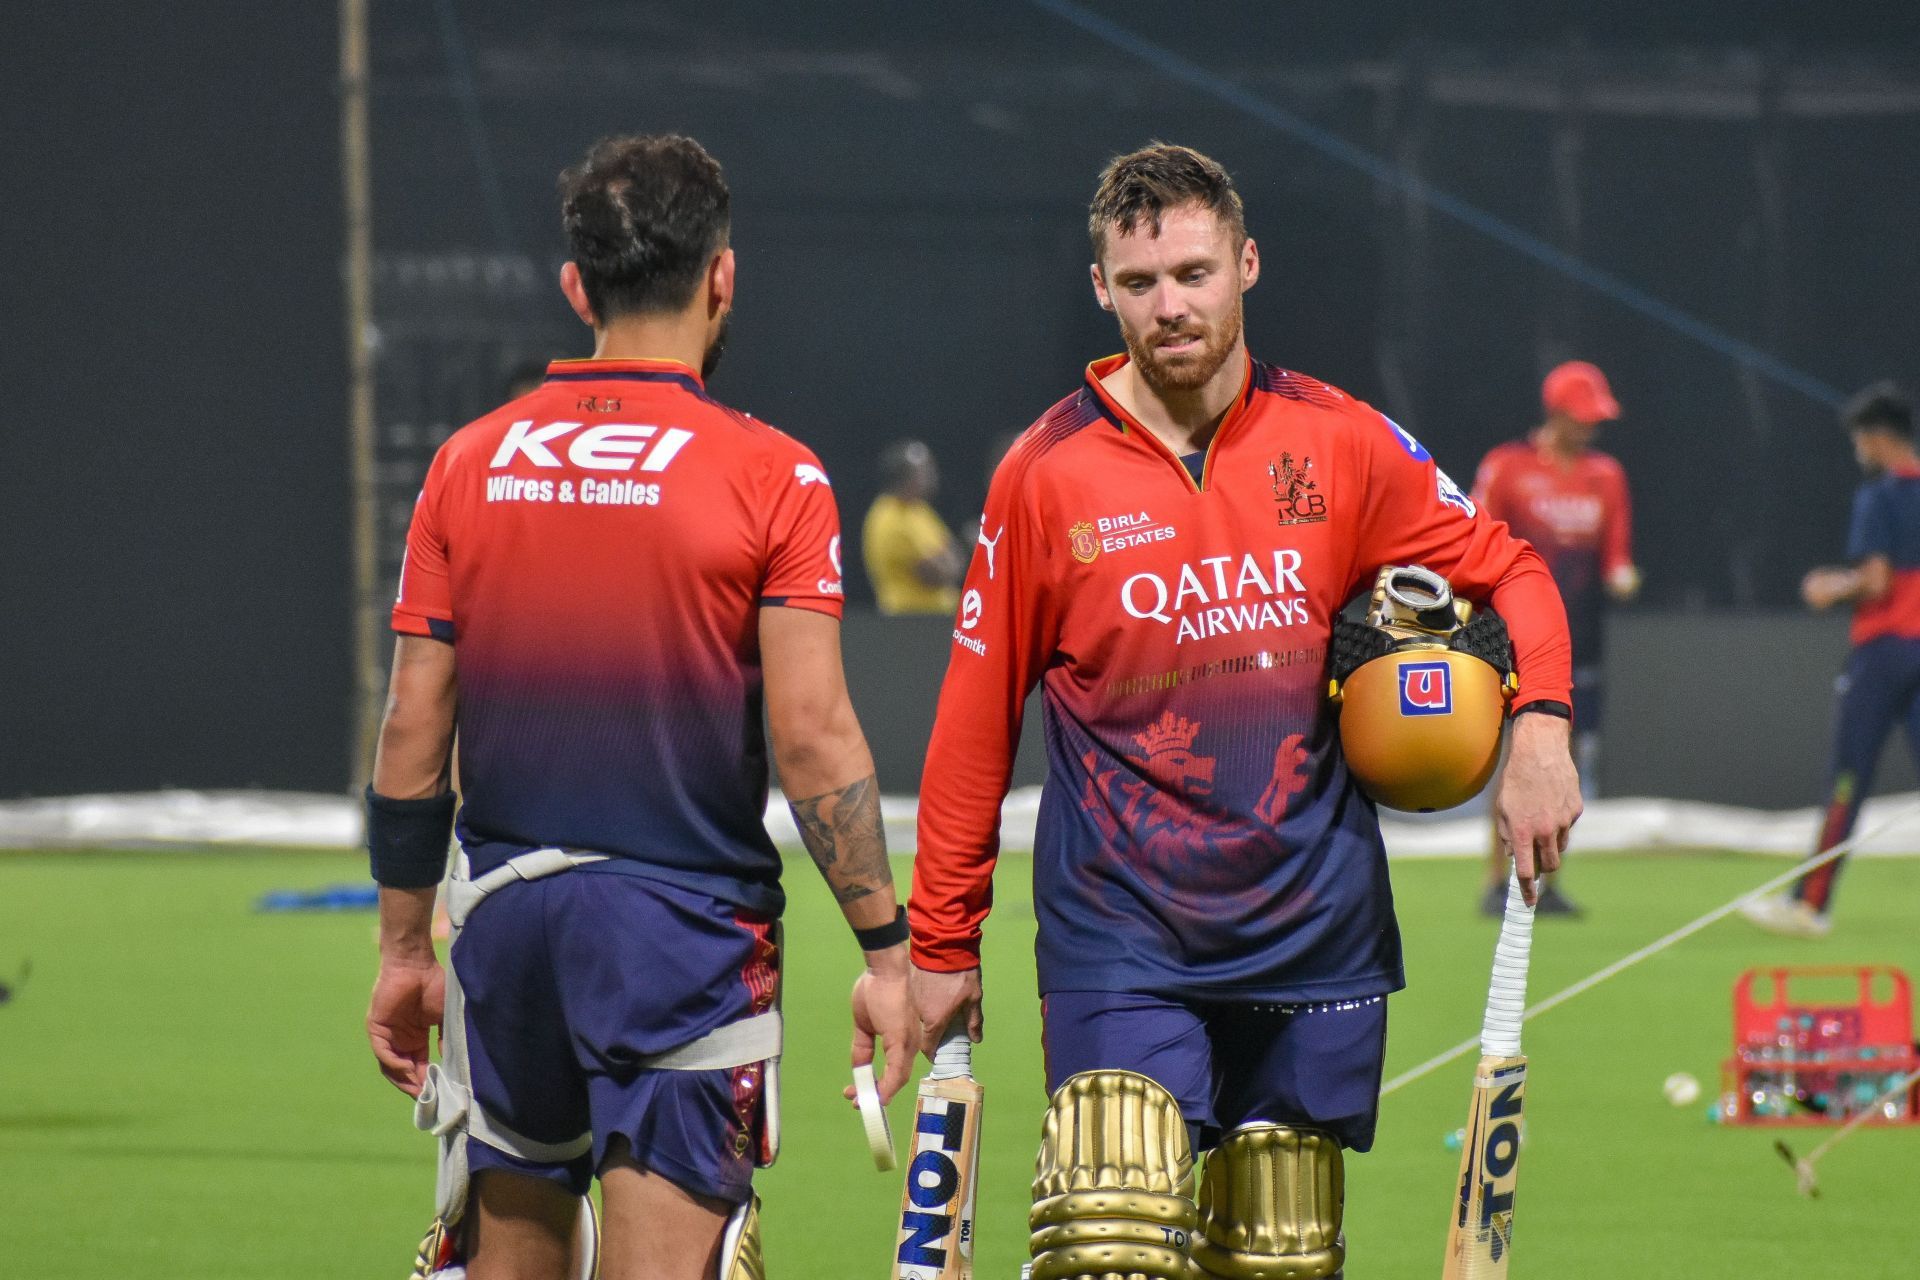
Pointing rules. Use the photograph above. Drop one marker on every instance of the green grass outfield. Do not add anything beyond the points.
(185, 1090)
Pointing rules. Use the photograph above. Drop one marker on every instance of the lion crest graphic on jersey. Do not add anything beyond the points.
(1168, 744)
(1155, 801)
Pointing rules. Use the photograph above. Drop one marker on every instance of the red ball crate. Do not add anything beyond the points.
(1799, 1063)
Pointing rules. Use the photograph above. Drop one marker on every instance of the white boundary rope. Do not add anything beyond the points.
(1626, 962)
(189, 819)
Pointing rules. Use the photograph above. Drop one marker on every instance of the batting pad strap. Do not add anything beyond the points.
(464, 894)
(1271, 1202)
(445, 1106)
(734, 1045)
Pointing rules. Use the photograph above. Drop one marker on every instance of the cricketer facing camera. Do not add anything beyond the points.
(608, 578)
(1165, 552)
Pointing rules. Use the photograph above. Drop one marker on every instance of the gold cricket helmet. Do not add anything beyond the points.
(1422, 686)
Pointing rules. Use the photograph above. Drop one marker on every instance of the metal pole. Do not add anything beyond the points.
(1402, 125)
(356, 179)
(1756, 540)
(1562, 331)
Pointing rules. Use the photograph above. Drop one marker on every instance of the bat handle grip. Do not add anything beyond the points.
(1507, 996)
(953, 1058)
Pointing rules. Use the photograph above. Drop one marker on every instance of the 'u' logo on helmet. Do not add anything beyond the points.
(1426, 689)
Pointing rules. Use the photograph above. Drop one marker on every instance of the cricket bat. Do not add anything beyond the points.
(1480, 1236)
(935, 1240)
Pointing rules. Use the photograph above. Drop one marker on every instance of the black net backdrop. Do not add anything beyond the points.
(910, 194)
(911, 181)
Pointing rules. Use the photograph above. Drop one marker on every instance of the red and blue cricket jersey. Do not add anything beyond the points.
(1576, 514)
(598, 552)
(1199, 834)
(1886, 522)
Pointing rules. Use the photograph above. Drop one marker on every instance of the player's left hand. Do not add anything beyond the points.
(408, 998)
(1539, 798)
(883, 1011)
(1623, 583)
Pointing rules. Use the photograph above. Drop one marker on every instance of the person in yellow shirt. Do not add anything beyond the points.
(910, 553)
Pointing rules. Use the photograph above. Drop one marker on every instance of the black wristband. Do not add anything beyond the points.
(882, 936)
(407, 839)
(1546, 707)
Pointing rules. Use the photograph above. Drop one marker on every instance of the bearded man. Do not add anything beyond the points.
(1165, 552)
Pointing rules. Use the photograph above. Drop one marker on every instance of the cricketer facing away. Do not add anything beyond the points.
(604, 581)
(1164, 552)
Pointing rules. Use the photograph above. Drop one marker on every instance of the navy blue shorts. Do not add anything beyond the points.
(570, 980)
(1314, 1065)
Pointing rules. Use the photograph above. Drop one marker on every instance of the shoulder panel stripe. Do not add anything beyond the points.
(1296, 386)
(1071, 415)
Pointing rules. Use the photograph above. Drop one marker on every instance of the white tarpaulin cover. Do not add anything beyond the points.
(1890, 824)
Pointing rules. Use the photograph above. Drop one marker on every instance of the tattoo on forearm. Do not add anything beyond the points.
(842, 831)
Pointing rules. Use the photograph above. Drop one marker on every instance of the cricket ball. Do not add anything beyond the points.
(1682, 1090)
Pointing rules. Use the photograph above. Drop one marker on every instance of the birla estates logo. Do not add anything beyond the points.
(1295, 492)
(1082, 543)
(1120, 532)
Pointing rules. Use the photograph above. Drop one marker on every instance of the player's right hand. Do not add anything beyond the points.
(883, 1011)
(1824, 588)
(940, 999)
(408, 998)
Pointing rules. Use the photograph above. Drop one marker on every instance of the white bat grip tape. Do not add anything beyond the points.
(873, 1117)
(954, 1058)
(1507, 995)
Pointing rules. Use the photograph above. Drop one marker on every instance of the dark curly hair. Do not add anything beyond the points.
(644, 215)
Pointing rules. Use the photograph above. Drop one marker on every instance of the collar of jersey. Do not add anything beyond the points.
(626, 371)
(1129, 427)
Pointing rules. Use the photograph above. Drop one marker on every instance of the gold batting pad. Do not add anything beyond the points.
(1270, 1206)
(740, 1257)
(426, 1260)
(1113, 1185)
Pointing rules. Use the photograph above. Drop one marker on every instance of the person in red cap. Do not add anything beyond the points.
(1570, 501)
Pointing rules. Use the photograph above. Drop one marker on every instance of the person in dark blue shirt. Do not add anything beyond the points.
(1881, 685)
